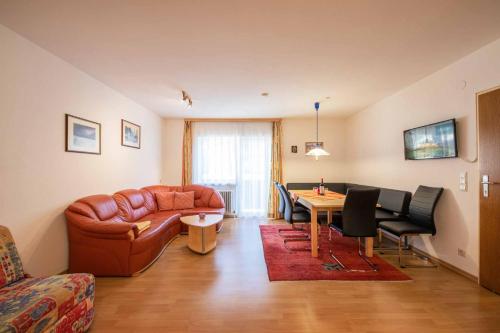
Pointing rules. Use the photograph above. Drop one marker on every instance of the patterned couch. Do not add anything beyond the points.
(103, 237)
(60, 303)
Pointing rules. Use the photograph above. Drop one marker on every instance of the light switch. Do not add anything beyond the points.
(463, 181)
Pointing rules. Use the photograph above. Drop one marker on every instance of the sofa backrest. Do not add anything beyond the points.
(150, 192)
(395, 200)
(204, 196)
(358, 186)
(133, 204)
(100, 207)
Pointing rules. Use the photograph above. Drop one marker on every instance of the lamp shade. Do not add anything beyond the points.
(317, 152)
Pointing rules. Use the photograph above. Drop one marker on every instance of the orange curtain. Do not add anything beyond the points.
(187, 154)
(276, 170)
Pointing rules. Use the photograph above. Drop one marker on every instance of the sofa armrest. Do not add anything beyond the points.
(216, 200)
(100, 229)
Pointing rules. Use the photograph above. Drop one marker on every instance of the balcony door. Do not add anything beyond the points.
(235, 156)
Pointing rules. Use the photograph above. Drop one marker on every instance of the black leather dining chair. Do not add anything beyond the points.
(294, 217)
(281, 204)
(420, 220)
(281, 209)
(358, 220)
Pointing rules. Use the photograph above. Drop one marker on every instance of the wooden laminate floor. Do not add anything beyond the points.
(228, 291)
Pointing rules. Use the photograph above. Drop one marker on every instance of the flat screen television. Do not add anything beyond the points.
(437, 140)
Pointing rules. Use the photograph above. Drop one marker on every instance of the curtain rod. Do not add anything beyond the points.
(223, 120)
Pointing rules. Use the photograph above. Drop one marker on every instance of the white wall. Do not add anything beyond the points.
(375, 149)
(38, 179)
(296, 167)
(301, 168)
(173, 133)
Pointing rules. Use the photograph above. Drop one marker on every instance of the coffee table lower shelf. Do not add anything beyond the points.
(202, 239)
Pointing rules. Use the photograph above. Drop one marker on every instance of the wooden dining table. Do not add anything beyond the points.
(329, 202)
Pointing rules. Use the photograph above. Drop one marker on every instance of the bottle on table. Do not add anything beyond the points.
(321, 189)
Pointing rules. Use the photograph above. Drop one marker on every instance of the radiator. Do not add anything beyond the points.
(228, 197)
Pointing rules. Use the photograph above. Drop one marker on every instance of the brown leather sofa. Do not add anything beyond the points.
(102, 234)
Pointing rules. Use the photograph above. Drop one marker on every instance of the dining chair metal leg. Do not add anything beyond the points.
(385, 250)
(400, 251)
(332, 255)
(294, 229)
(365, 258)
(402, 264)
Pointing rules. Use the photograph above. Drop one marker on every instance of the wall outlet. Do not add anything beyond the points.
(461, 253)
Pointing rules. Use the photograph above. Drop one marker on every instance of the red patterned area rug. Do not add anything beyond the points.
(286, 265)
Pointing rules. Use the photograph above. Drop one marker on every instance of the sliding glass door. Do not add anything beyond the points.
(237, 157)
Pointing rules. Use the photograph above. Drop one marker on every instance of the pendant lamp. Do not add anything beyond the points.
(317, 151)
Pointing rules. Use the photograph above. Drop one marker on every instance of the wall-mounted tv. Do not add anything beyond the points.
(437, 140)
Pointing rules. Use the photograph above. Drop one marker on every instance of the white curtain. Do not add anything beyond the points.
(238, 156)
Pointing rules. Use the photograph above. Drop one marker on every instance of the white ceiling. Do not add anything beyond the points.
(226, 53)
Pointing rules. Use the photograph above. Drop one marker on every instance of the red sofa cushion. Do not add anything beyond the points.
(183, 200)
(165, 200)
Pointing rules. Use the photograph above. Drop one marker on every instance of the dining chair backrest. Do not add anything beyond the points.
(281, 204)
(287, 199)
(422, 206)
(358, 215)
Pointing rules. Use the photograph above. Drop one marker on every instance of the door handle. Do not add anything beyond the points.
(486, 185)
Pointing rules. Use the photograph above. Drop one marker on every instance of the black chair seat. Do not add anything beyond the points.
(399, 228)
(301, 217)
(384, 215)
(298, 204)
(300, 209)
(337, 225)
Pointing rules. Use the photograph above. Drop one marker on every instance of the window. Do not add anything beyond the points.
(238, 156)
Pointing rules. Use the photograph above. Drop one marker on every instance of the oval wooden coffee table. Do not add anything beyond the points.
(202, 236)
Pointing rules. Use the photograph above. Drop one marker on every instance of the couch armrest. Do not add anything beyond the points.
(99, 229)
(216, 200)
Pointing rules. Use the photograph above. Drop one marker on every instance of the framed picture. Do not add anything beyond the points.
(131, 134)
(312, 145)
(82, 135)
(294, 149)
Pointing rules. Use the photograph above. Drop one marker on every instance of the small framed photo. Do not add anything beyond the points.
(294, 149)
(311, 145)
(82, 135)
(131, 134)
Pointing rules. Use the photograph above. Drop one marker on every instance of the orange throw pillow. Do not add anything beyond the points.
(184, 200)
(165, 200)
